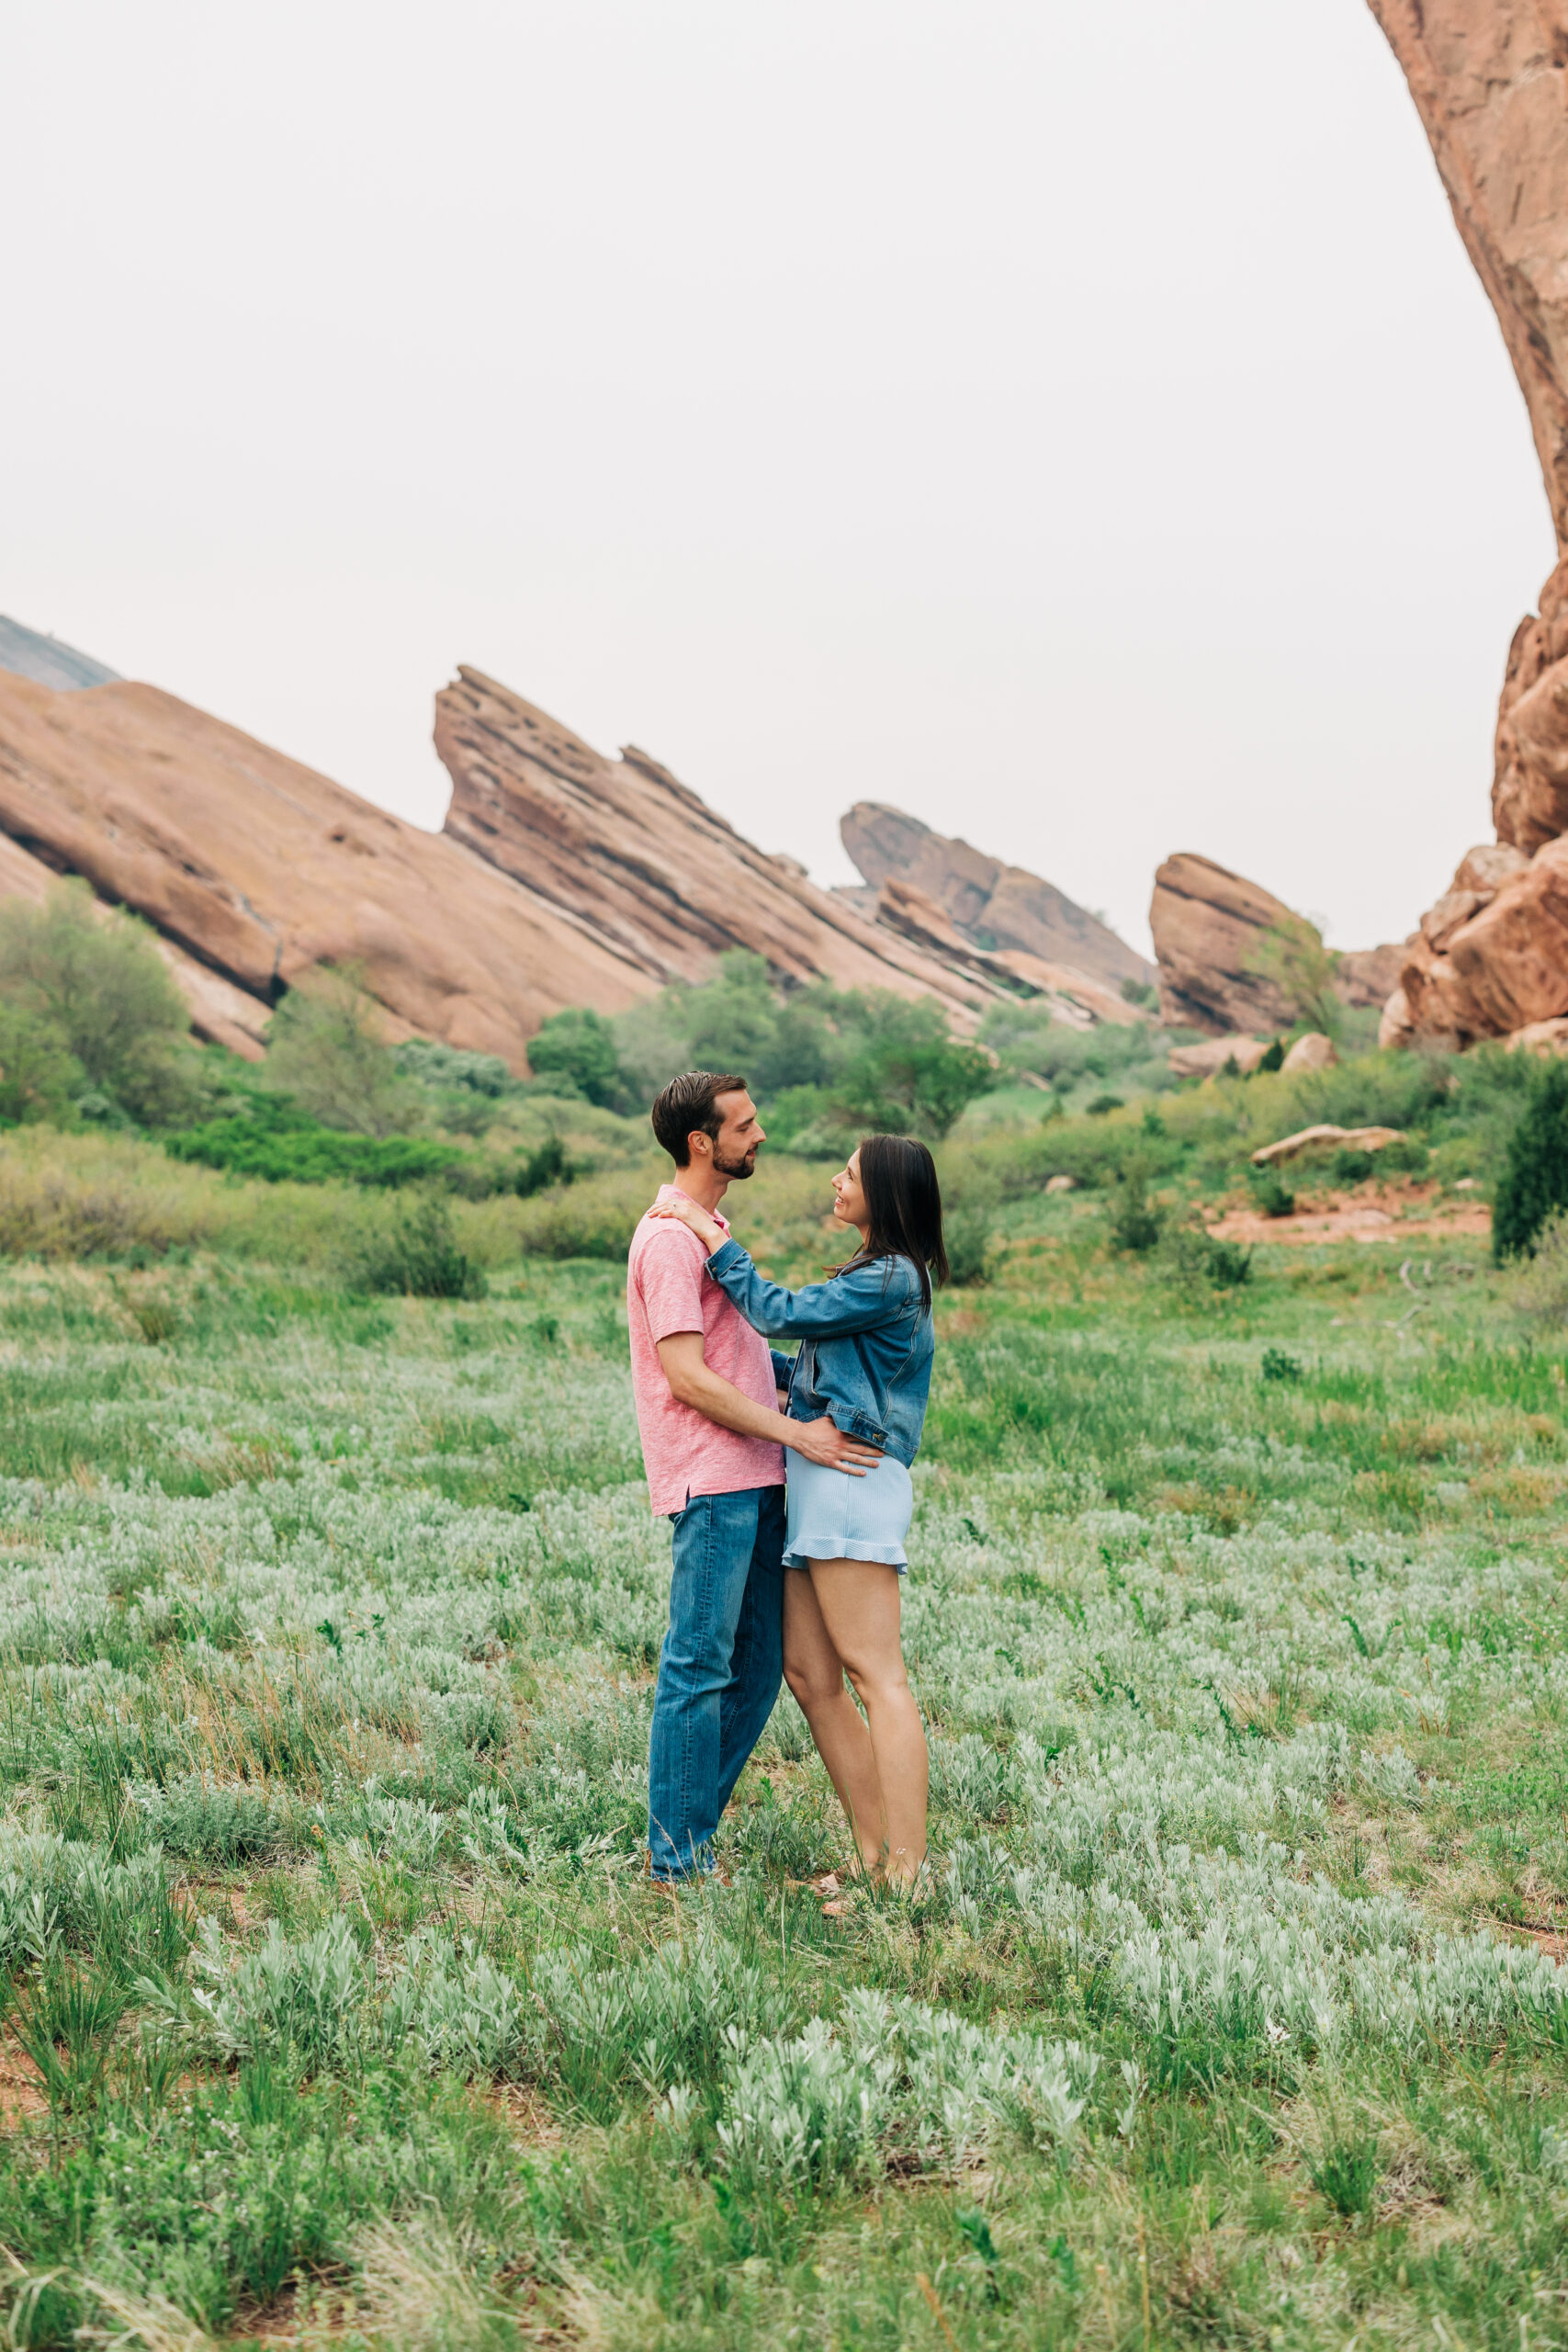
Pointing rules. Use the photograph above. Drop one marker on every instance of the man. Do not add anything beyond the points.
(708, 1392)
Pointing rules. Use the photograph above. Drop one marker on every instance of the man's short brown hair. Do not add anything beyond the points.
(686, 1107)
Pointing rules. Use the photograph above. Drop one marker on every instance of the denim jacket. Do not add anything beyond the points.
(866, 1344)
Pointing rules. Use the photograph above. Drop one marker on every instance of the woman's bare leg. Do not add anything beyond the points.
(814, 1672)
(859, 1601)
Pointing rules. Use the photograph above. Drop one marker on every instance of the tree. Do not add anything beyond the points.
(1534, 1182)
(39, 1076)
(326, 1051)
(95, 980)
(915, 1086)
(579, 1044)
(1291, 956)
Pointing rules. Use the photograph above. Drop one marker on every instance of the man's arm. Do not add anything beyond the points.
(693, 1383)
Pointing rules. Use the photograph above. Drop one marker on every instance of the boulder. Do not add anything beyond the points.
(996, 907)
(1511, 960)
(631, 857)
(1217, 1053)
(258, 868)
(1540, 1037)
(1314, 1051)
(1346, 1139)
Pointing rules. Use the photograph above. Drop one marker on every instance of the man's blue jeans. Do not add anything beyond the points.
(719, 1671)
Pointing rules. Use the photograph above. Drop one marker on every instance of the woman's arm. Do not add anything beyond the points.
(857, 1301)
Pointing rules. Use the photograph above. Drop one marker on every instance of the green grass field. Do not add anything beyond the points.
(339, 2009)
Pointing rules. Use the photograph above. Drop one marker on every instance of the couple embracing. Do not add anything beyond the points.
(800, 1582)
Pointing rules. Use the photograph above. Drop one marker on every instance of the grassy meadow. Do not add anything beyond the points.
(338, 2008)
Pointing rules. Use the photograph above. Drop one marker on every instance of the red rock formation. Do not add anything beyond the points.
(219, 1013)
(1209, 928)
(257, 868)
(1490, 82)
(643, 863)
(1074, 998)
(993, 905)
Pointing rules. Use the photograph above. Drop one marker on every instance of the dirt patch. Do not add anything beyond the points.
(1388, 1211)
(22, 2095)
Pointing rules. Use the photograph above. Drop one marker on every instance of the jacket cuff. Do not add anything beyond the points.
(724, 1256)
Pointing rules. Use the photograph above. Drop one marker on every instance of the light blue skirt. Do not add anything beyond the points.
(832, 1516)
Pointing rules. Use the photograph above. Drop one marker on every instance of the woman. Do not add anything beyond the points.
(865, 1359)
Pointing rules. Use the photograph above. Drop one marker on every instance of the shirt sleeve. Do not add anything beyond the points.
(861, 1300)
(672, 1280)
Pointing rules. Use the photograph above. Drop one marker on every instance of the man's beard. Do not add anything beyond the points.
(735, 1170)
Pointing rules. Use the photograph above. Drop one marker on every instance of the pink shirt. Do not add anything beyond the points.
(669, 1289)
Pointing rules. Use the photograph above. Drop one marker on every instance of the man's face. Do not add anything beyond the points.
(734, 1148)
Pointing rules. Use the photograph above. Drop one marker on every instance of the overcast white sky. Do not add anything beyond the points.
(1077, 425)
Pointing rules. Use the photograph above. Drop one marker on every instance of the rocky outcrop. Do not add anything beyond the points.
(1209, 925)
(1489, 79)
(1210, 929)
(641, 863)
(993, 905)
(1073, 997)
(257, 868)
(1490, 82)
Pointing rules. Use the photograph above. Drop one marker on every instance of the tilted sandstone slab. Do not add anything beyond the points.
(258, 868)
(995, 906)
(1210, 926)
(643, 862)
(219, 1013)
(1072, 996)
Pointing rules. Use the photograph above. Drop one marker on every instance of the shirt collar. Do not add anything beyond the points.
(672, 1191)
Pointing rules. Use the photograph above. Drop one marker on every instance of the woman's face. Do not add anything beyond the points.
(849, 1198)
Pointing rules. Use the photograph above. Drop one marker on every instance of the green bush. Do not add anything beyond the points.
(325, 1051)
(39, 1076)
(547, 1166)
(1229, 1265)
(912, 1085)
(967, 1232)
(1136, 1223)
(271, 1137)
(417, 1257)
(94, 983)
(1272, 1193)
(455, 1089)
(1534, 1181)
(579, 1045)
(1352, 1167)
